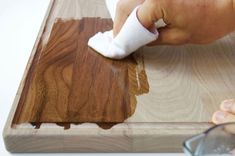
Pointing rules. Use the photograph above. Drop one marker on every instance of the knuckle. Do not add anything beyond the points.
(121, 5)
(155, 11)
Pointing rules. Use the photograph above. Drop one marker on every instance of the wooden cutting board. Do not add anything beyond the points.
(71, 99)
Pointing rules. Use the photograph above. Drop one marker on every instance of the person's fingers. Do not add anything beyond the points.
(119, 20)
(123, 10)
(147, 13)
(220, 117)
(172, 36)
(228, 106)
(150, 12)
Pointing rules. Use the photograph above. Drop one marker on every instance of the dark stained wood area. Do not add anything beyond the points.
(68, 82)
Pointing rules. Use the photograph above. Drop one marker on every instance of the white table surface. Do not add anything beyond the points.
(20, 21)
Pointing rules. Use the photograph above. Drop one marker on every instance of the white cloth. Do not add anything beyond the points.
(131, 37)
(111, 5)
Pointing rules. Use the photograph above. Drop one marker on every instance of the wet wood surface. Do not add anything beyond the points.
(71, 83)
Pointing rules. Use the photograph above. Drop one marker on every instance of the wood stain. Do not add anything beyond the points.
(68, 82)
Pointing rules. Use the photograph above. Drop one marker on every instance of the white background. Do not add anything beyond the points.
(20, 21)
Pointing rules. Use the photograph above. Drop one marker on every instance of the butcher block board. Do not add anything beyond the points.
(71, 99)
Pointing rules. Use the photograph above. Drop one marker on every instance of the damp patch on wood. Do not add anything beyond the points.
(68, 82)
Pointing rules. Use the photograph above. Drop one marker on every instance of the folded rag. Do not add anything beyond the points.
(131, 37)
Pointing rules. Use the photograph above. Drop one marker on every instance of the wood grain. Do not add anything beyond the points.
(186, 85)
(71, 83)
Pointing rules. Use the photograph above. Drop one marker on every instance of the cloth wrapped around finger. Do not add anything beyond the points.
(131, 37)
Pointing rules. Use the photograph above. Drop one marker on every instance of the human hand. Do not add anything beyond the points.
(199, 21)
(123, 10)
(226, 112)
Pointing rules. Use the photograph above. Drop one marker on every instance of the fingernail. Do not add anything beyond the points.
(219, 116)
(227, 105)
